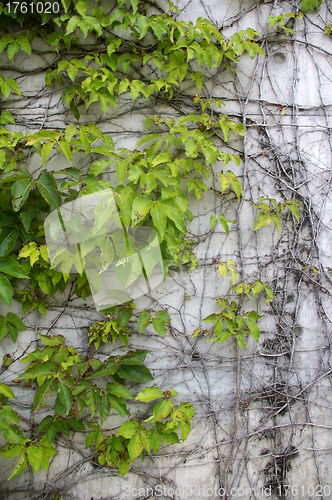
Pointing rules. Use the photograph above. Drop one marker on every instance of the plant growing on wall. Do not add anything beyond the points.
(176, 156)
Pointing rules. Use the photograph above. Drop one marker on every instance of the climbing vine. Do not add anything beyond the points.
(144, 57)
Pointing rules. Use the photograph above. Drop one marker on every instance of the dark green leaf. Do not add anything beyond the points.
(48, 189)
(8, 237)
(6, 290)
(9, 265)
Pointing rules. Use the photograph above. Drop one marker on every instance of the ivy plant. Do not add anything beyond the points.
(172, 158)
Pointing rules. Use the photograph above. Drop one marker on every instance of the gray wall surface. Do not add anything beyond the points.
(263, 415)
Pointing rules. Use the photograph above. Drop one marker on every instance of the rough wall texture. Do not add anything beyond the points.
(263, 415)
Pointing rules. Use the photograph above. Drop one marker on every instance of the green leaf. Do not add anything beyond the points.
(295, 212)
(263, 219)
(118, 390)
(141, 206)
(161, 410)
(14, 86)
(48, 189)
(253, 328)
(118, 404)
(309, 5)
(123, 467)
(13, 332)
(137, 373)
(11, 450)
(277, 222)
(65, 148)
(20, 191)
(53, 340)
(65, 395)
(104, 407)
(135, 446)
(158, 214)
(107, 368)
(10, 266)
(235, 183)
(16, 321)
(35, 457)
(12, 49)
(47, 148)
(185, 427)
(41, 393)
(128, 429)
(20, 466)
(6, 290)
(76, 424)
(149, 394)
(8, 237)
(27, 215)
(98, 167)
(146, 438)
(46, 368)
(3, 327)
(212, 318)
(159, 325)
(156, 440)
(24, 44)
(6, 391)
(257, 288)
(143, 321)
(213, 221)
(269, 294)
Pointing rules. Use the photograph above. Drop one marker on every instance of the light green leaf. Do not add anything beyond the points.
(20, 466)
(135, 446)
(12, 49)
(128, 429)
(6, 391)
(158, 214)
(253, 328)
(149, 394)
(141, 206)
(123, 467)
(54, 340)
(24, 44)
(143, 321)
(16, 321)
(98, 167)
(185, 427)
(161, 410)
(263, 219)
(35, 457)
(65, 148)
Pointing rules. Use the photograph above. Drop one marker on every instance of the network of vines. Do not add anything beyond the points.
(99, 59)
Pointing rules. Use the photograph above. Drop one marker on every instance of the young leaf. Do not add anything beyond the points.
(149, 394)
